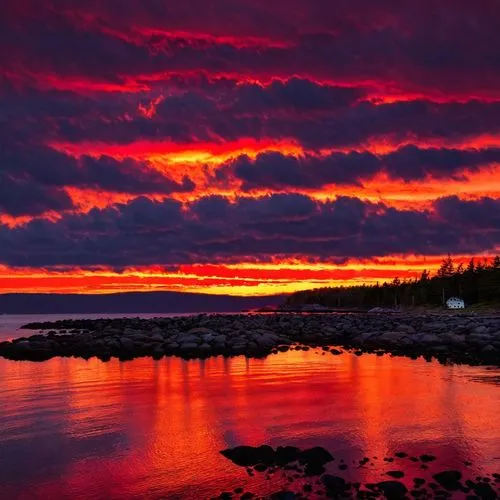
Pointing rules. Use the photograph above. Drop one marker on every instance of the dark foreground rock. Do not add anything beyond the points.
(460, 338)
(291, 465)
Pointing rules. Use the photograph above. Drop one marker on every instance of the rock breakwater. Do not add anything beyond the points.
(460, 338)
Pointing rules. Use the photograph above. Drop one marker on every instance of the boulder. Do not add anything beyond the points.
(316, 455)
(335, 484)
(449, 480)
(286, 454)
(406, 329)
(392, 490)
(188, 347)
(127, 343)
(201, 331)
(205, 349)
(428, 339)
(479, 330)
(390, 338)
(190, 339)
(248, 456)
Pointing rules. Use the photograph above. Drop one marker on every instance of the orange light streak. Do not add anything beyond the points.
(245, 278)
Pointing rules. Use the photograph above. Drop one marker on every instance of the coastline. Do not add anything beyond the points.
(458, 338)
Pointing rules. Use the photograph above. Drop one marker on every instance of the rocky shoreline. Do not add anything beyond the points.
(459, 338)
(304, 476)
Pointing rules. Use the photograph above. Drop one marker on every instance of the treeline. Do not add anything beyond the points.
(477, 282)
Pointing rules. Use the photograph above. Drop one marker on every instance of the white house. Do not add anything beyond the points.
(455, 303)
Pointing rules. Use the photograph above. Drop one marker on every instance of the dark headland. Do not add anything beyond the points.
(129, 302)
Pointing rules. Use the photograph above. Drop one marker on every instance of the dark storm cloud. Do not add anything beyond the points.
(33, 178)
(478, 215)
(216, 230)
(295, 96)
(214, 113)
(425, 45)
(280, 172)
(87, 71)
(20, 197)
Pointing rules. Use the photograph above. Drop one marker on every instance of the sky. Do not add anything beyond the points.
(249, 147)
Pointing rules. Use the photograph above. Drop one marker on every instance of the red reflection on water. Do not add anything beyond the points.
(72, 428)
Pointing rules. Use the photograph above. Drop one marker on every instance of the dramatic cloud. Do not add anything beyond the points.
(216, 230)
(161, 133)
(33, 178)
(279, 172)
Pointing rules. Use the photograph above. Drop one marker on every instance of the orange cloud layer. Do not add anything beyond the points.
(236, 279)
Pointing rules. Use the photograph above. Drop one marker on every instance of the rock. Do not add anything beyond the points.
(187, 347)
(247, 456)
(406, 329)
(335, 484)
(283, 495)
(391, 337)
(286, 454)
(205, 349)
(434, 326)
(484, 491)
(396, 474)
(449, 338)
(127, 344)
(196, 332)
(488, 349)
(190, 339)
(480, 330)
(452, 338)
(429, 339)
(449, 480)
(316, 455)
(393, 490)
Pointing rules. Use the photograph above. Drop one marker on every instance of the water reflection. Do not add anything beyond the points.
(85, 429)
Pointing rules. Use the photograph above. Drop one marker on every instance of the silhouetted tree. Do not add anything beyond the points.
(476, 282)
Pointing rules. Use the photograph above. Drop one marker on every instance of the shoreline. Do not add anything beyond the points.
(449, 338)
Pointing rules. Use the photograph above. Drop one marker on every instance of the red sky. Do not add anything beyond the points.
(243, 146)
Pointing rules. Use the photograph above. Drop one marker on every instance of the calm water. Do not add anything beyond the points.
(71, 428)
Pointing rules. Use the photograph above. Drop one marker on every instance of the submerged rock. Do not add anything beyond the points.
(248, 456)
(392, 490)
(449, 480)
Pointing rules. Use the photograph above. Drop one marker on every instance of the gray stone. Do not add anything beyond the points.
(189, 339)
(428, 339)
(480, 330)
(406, 328)
(391, 337)
(126, 343)
(188, 347)
(452, 338)
(488, 349)
(205, 348)
(201, 331)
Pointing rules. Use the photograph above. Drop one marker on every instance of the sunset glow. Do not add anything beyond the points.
(156, 150)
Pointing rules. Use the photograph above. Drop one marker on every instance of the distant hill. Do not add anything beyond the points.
(129, 302)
